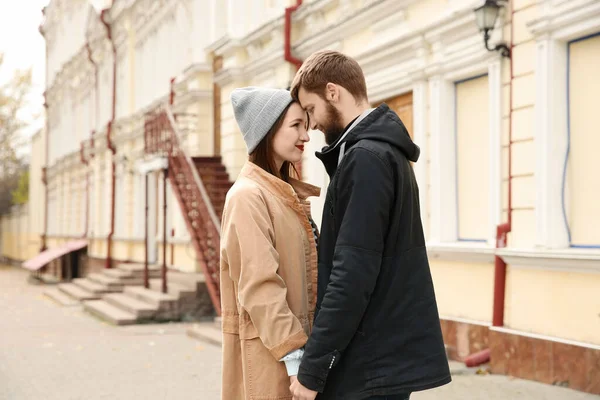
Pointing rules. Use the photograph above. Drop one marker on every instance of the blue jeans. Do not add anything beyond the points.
(392, 397)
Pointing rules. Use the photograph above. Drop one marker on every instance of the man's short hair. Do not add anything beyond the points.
(327, 66)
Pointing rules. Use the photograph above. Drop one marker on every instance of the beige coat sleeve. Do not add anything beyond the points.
(253, 262)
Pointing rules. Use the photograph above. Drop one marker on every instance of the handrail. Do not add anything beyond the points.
(209, 206)
(163, 135)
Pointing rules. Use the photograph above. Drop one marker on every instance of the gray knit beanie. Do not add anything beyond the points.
(256, 110)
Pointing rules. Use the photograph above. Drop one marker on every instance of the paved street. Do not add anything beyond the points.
(48, 352)
(52, 353)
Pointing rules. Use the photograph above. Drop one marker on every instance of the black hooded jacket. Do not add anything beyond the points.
(377, 328)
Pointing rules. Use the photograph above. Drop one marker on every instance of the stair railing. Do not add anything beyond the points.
(162, 137)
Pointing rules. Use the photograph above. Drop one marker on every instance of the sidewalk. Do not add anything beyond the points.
(49, 352)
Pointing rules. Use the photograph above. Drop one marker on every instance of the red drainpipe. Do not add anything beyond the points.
(44, 175)
(287, 38)
(109, 143)
(47, 148)
(287, 52)
(504, 229)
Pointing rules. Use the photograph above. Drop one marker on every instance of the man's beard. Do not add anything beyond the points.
(333, 126)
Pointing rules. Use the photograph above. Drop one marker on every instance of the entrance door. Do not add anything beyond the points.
(403, 106)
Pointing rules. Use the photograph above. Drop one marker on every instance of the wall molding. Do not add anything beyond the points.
(462, 252)
(558, 260)
(567, 20)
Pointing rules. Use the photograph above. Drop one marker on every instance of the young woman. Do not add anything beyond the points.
(268, 251)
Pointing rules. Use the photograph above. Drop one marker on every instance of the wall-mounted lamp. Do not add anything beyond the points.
(486, 16)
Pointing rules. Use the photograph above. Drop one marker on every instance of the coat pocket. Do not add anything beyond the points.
(265, 378)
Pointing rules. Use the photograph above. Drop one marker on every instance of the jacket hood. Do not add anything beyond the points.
(383, 125)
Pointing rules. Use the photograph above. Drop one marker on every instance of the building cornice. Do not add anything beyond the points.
(566, 20)
(147, 15)
(77, 75)
(316, 34)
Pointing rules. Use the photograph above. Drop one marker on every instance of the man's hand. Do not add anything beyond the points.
(299, 392)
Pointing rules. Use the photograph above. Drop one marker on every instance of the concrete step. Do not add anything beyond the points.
(91, 286)
(190, 280)
(120, 273)
(77, 292)
(117, 273)
(162, 300)
(109, 312)
(137, 267)
(61, 298)
(140, 309)
(105, 280)
(206, 332)
(173, 288)
(115, 284)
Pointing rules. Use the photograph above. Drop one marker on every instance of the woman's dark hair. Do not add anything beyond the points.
(264, 156)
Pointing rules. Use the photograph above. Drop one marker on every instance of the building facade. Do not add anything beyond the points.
(506, 142)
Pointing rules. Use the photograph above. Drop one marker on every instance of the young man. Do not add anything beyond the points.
(376, 331)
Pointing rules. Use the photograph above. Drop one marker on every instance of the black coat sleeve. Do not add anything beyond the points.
(365, 194)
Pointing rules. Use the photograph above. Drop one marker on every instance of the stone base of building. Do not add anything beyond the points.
(526, 356)
(546, 360)
(464, 338)
(10, 261)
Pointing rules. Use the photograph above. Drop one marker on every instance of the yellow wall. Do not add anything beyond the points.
(356, 43)
(584, 163)
(523, 150)
(137, 251)
(233, 148)
(17, 242)
(463, 290)
(21, 230)
(422, 12)
(553, 303)
(184, 257)
(120, 250)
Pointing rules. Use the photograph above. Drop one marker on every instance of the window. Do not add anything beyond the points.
(120, 217)
(139, 207)
(472, 155)
(84, 202)
(465, 164)
(581, 186)
(92, 206)
(566, 41)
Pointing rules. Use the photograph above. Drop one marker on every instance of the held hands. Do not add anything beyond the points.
(299, 392)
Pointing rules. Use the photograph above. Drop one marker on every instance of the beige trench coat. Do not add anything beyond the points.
(268, 282)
